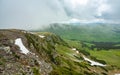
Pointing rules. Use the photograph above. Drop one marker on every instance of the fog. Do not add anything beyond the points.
(30, 14)
(34, 14)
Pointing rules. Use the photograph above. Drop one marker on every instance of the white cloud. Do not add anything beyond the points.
(26, 14)
(30, 14)
(76, 3)
(103, 7)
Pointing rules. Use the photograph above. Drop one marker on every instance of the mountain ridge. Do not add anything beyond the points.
(86, 32)
(48, 55)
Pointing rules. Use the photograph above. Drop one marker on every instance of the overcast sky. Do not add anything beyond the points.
(32, 14)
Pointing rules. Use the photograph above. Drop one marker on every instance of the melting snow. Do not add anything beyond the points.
(73, 49)
(77, 52)
(18, 42)
(93, 62)
(32, 33)
(41, 36)
(117, 74)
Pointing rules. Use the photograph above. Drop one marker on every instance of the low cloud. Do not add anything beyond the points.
(30, 14)
(33, 14)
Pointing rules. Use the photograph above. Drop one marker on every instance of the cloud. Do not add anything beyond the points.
(28, 14)
(91, 9)
(85, 9)
(115, 10)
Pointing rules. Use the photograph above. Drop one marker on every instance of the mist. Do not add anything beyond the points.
(35, 14)
(30, 14)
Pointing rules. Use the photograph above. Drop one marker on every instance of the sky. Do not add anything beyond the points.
(34, 14)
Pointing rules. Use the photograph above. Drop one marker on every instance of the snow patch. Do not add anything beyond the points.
(32, 33)
(117, 74)
(41, 36)
(74, 49)
(93, 62)
(18, 42)
(77, 52)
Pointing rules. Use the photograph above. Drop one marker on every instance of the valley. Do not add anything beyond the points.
(99, 42)
(46, 53)
(59, 37)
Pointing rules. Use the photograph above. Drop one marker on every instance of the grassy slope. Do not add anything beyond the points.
(97, 33)
(111, 56)
(68, 62)
(64, 61)
(104, 33)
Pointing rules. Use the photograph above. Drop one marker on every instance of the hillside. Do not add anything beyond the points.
(98, 32)
(44, 53)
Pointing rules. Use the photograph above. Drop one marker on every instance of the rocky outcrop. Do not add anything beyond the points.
(37, 61)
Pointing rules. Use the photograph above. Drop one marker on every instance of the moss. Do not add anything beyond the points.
(55, 72)
(15, 55)
(79, 57)
(89, 73)
(85, 52)
(83, 64)
(36, 71)
(57, 61)
(1, 63)
(65, 71)
(98, 60)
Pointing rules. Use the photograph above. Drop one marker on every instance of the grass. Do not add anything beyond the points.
(98, 33)
(36, 71)
(67, 62)
(66, 52)
(111, 57)
(74, 44)
(88, 44)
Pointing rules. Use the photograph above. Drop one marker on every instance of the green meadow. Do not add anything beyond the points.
(97, 41)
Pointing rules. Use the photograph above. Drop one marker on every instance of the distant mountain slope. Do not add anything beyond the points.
(44, 53)
(98, 32)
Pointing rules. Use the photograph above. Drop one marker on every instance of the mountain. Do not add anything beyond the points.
(99, 32)
(44, 53)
